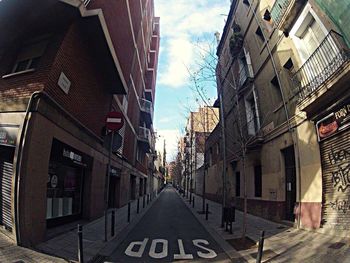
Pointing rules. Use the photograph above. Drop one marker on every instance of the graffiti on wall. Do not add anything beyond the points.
(341, 205)
(341, 176)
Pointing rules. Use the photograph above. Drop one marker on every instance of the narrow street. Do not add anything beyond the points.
(168, 232)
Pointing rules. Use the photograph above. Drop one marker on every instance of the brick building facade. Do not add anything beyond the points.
(63, 68)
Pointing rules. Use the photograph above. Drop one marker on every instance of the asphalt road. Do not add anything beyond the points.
(168, 232)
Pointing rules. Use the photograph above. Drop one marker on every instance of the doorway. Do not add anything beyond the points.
(290, 186)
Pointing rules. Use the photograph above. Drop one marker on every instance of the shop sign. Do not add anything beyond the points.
(65, 153)
(334, 122)
(115, 172)
(8, 135)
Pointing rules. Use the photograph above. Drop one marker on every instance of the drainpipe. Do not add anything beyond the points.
(19, 152)
(290, 129)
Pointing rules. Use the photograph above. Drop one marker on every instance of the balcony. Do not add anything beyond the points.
(244, 77)
(285, 12)
(327, 60)
(146, 107)
(145, 137)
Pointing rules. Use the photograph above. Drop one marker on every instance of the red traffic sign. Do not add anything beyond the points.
(114, 121)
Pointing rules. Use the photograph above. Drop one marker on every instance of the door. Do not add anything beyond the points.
(132, 187)
(290, 187)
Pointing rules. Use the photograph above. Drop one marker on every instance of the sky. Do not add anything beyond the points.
(184, 25)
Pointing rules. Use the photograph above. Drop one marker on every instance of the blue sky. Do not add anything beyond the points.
(183, 25)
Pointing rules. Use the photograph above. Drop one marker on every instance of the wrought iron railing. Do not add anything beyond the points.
(146, 106)
(278, 10)
(329, 56)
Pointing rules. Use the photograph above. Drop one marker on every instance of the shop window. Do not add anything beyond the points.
(29, 55)
(257, 181)
(238, 184)
(64, 189)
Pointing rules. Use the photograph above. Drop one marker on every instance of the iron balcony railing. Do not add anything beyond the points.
(278, 10)
(145, 135)
(146, 106)
(329, 56)
(244, 76)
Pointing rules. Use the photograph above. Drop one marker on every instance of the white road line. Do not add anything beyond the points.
(140, 251)
(163, 253)
(182, 254)
(211, 253)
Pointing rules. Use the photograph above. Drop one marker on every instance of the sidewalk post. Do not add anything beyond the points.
(147, 199)
(261, 247)
(108, 182)
(80, 244)
(207, 212)
(143, 202)
(193, 202)
(129, 212)
(112, 222)
(138, 205)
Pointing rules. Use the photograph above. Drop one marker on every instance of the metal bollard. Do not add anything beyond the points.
(261, 247)
(80, 244)
(190, 200)
(147, 199)
(112, 222)
(138, 206)
(207, 211)
(129, 204)
(193, 202)
(144, 201)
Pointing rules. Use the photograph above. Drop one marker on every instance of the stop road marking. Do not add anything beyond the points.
(137, 248)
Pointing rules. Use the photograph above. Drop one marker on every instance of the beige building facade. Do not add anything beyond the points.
(282, 71)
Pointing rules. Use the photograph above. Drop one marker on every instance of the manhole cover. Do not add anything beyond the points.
(98, 259)
(337, 245)
(242, 243)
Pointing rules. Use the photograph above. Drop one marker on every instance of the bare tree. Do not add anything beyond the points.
(208, 72)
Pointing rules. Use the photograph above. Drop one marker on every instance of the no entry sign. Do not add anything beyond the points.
(114, 121)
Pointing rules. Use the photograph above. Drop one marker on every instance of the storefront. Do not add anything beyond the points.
(333, 132)
(68, 168)
(8, 136)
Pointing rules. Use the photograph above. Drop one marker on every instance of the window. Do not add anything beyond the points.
(29, 56)
(238, 184)
(257, 181)
(140, 155)
(252, 113)
(246, 2)
(276, 85)
(289, 65)
(259, 33)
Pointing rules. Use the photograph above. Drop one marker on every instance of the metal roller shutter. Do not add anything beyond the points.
(6, 170)
(335, 158)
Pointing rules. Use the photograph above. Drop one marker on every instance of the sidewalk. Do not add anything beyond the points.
(282, 243)
(9, 252)
(94, 247)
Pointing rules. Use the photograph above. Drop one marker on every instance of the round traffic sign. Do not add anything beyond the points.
(114, 121)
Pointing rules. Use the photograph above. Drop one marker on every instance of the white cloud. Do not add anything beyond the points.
(181, 22)
(171, 138)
